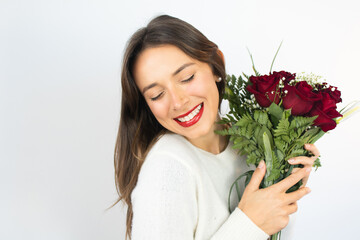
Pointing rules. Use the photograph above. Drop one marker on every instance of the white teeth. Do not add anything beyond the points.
(190, 115)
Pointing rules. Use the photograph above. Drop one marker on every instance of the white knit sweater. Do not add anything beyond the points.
(182, 193)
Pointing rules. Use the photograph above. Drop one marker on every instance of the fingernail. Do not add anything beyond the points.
(261, 164)
(307, 145)
(291, 160)
(308, 169)
(308, 190)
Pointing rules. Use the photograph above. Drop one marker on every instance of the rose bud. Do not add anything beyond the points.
(326, 111)
(286, 77)
(300, 98)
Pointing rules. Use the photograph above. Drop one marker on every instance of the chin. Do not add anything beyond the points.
(198, 133)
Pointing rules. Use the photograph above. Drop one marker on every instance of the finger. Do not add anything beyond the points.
(291, 180)
(295, 170)
(257, 177)
(302, 160)
(291, 208)
(304, 180)
(296, 195)
(313, 149)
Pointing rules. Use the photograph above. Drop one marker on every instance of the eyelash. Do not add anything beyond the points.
(157, 97)
(189, 79)
(184, 81)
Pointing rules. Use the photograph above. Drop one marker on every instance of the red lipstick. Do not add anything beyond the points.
(192, 121)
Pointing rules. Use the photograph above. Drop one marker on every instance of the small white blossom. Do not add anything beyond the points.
(311, 79)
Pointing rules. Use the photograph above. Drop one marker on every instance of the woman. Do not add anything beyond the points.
(172, 170)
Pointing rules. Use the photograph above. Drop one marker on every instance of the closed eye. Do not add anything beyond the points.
(157, 97)
(189, 79)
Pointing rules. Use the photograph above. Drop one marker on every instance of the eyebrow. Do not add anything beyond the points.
(148, 87)
(182, 67)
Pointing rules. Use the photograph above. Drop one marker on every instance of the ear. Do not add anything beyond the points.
(219, 52)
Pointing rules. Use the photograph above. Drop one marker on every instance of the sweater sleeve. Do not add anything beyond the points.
(239, 227)
(164, 201)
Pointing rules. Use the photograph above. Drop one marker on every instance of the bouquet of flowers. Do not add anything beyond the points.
(272, 116)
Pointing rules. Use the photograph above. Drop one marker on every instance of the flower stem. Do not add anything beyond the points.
(275, 57)
(275, 236)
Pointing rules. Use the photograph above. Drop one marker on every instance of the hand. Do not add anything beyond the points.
(306, 161)
(269, 208)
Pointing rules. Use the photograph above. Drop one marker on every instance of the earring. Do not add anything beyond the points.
(219, 79)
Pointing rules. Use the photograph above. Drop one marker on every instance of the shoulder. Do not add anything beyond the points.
(171, 147)
(172, 156)
(170, 143)
(166, 169)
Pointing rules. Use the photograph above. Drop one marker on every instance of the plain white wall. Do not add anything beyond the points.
(60, 102)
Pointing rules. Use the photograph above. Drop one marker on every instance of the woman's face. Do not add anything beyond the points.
(180, 91)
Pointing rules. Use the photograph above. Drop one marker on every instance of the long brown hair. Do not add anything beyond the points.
(138, 128)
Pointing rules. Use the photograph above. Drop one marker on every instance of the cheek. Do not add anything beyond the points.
(205, 89)
(159, 109)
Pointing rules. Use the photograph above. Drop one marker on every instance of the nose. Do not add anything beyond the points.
(179, 98)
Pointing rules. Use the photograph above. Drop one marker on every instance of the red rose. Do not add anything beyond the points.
(334, 93)
(265, 88)
(285, 76)
(300, 98)
(326, 111)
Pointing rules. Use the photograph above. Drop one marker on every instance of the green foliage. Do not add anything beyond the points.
(236, 94)
(272, 163)
(317, 164)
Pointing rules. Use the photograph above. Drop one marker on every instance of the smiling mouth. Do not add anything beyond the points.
(190, 118)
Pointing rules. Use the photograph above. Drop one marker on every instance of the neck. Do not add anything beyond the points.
(212, 142)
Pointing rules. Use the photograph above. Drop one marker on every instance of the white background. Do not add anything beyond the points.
(60, 103)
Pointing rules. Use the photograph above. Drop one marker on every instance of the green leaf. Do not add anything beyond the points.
(317, 164)
(268, 160)
(275, 56)
(317, 136)
(246, 76)
(251, 159)
(253, 65)
(280, 144)
(247, 174)
(295, 153)
(259, 137)
(261, 117)
(283, 127)
(248, 177)
(280, 155)
(276, 113)
(224, 132)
